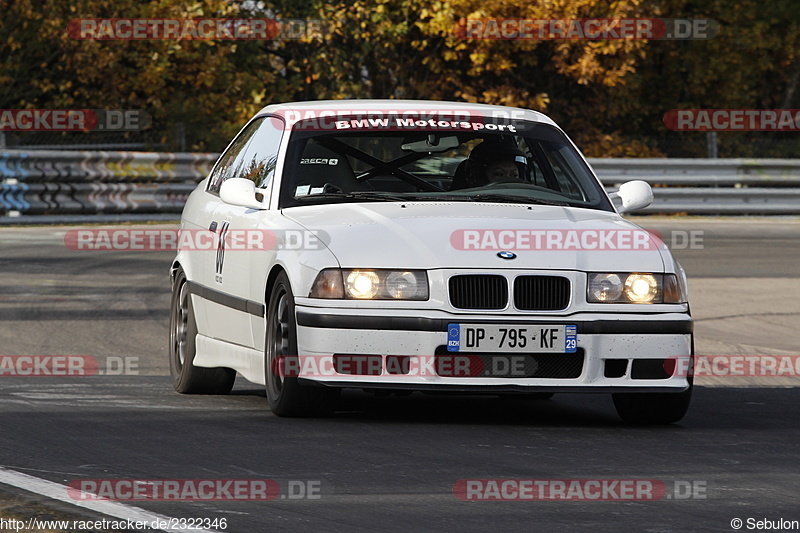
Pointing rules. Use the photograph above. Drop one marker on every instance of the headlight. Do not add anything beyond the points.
(642, 288)
(634, 287)
(370, 284)
(362, 284)
(401, 285)
(604, 287)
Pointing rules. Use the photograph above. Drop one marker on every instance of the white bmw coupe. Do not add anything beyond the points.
(400, 246)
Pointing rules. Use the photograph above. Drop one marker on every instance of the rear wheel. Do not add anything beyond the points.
(187, 378)
(286, 396)
(653, 408)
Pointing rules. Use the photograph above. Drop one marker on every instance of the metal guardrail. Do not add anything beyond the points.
(700, 172)
(711, 186)
(81, 182)
(91, 183)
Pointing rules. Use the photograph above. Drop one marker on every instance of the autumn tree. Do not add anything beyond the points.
(208, 86)
(610, 95)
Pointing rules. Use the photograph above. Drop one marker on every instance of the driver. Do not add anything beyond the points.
(502, 170)
(490, 162)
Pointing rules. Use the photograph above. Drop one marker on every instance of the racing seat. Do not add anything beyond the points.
(466, 176)
(321, 167)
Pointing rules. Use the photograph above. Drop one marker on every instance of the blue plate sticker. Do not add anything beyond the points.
(453, 337)
(571, 339)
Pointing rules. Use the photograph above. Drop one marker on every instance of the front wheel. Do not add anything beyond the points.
(652, 408)
(286, 396)
(187, 378)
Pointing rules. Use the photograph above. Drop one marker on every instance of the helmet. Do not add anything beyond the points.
(472, 171)
(489, 152)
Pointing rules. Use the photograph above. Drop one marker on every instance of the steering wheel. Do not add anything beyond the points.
(509, 183)
(330, 187)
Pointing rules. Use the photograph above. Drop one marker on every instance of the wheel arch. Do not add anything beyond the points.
(177, 265)
(274, 272)
(173, 271)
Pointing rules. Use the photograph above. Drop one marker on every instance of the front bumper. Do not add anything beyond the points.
(620, 352)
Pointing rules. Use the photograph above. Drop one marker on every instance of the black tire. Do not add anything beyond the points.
(653, 408)
(285, 395)
(187, 378)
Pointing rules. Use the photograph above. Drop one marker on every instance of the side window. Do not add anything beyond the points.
(535, 173)
(230, 162)
(552, 168)
(565, 176)
(261, 155)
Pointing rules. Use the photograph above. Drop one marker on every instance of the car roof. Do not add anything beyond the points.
(294, 111)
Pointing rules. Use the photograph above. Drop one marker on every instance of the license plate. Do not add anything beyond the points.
(515, 339)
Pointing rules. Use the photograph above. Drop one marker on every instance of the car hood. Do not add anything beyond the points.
(429, 235)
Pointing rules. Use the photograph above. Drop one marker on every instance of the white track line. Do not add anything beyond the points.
(59, 492)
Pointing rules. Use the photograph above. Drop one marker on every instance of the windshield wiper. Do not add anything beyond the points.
(494, 197)
(362, 195)
(389, 196)
(410, 197)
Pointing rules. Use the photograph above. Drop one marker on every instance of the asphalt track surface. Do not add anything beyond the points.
(391, 464)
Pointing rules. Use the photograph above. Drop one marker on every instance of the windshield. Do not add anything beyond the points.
(516, 162)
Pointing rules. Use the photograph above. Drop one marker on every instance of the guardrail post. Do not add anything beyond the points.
(711, 144)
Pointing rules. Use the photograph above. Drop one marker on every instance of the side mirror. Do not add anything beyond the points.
(634, 195)
(239, 191)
